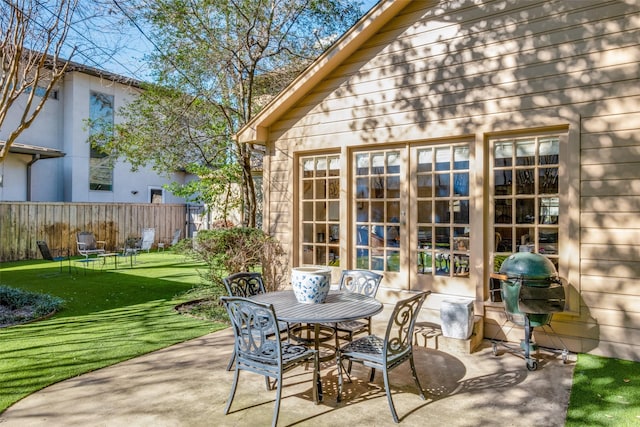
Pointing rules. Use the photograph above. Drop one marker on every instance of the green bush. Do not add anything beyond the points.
(38, 305)
(232, 250)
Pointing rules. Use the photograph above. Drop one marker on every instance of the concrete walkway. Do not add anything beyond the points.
(187, 385)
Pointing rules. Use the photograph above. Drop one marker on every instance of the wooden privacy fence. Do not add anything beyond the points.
(23, 223)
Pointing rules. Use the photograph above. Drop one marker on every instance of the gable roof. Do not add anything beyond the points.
(256, 130)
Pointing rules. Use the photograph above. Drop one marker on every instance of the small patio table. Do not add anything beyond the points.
(338, 307)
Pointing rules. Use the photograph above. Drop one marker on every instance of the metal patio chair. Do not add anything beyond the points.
(258, 350)
(245, 285)
(174, 240)
(88, 245)
(148, 237)
(46, 254)
(363, 282)
(386, 353)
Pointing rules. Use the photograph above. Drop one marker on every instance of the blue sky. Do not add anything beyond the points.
(129, 61)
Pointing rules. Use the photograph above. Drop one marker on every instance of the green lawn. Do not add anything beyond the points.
(109, 316)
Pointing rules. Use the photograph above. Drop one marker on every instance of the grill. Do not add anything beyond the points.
(531, 291)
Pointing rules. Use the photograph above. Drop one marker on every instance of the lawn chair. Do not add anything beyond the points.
(148, 237)
(388, 353)
(46, 254)
(247, 284)
(88, 245)
(176, 237)
(259, 350)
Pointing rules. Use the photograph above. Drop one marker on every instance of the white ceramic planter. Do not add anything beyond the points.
(311, 284)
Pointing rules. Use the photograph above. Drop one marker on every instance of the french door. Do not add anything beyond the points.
(410, 214)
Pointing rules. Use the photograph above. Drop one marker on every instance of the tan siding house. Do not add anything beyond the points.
(437, 137)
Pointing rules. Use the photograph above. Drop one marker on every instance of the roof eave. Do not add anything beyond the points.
(256, 130)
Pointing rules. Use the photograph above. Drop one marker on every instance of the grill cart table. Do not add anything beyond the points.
(338, 307)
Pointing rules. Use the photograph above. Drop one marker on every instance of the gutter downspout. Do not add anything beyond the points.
(34, 159)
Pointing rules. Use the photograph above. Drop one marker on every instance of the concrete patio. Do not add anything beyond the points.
(187, 385)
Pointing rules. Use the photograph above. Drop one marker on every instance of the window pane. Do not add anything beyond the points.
(525, 181)
(503, 211)
(321, 211)
(308, 168)
(321, 189)
(377, 164)
(307, 190)
(307, 211)
(525, 211)
(425, 160)
(362, 164)
(461, 184)
(461, 211)
(443, 159)
(461, 158)
(321, 167)
(393, 187)
(307, 233)
(424, 211)
(442, 212)
(362, 212)
(549, 151)
(377, 211)
(502, 182)
(548, 180)
(503, 154)
(526, 152)
(425, 186)
(393, 162)
(334, 211)
(362, 188)
(377, 187)
(548, 241)
(549, 210)
(334, 166)
(393, 212)
(442, 182)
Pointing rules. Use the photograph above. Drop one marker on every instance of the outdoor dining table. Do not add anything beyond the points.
(338, 307)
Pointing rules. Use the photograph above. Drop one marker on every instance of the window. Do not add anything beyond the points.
(443, 229)
(526, 196)
(100, 164)
(377, 210)
(155, 195)
(320, 210)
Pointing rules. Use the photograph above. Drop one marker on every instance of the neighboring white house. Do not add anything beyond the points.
(52, 161)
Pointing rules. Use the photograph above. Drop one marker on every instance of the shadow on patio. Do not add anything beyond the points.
(187, 385)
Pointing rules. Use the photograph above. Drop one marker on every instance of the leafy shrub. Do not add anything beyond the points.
(37, 305)
(232, 250)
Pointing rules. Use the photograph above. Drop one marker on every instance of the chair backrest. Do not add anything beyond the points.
(148, 237)
(44, 250)
(360, 281)
(399, 336)
(244, 284)
(176, 236)
(86, 241)
(253, 324)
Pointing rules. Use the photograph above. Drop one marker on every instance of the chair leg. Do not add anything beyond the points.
(385, 374)
(233, 359)
(316, 379)
(373, 375)
(233, 391)
(415, 376)
(340, 380)
(276, 411)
